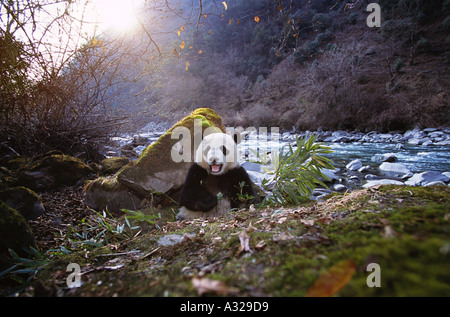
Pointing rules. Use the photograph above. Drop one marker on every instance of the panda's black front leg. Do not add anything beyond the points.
(193, 195)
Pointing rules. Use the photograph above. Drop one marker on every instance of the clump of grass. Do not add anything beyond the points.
(296, 172)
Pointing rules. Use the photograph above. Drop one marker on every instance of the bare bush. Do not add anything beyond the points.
(57, 94)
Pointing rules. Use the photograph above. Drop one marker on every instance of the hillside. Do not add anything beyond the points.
(338, 74)
(313, 65)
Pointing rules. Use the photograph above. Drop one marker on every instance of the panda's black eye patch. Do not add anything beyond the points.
(224, 150)
(206, 150)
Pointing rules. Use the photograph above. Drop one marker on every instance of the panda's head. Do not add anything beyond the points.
(217, 153)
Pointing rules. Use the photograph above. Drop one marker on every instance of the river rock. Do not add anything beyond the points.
(416, 133)
(354, 165)
(330, 174)
(339, 187)
(415, 141)
(377, 182)
(395, 168)
(172, 239)
(435, 183)
(251, 166)
(422, 179)
(155, 175)
(387, 157)
(364, 168)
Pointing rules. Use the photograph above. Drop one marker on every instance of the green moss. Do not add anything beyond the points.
(15, 234)
(109, 184)
(6, 178)
(18, 162)
(60, 169)
(113, 164)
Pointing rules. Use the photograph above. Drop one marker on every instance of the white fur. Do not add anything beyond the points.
(223, 206)
(210, 151)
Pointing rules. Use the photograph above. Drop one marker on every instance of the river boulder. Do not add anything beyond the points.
(394, 168)
(378, 182)
(354, 165)
(159, 172)
(422, 179)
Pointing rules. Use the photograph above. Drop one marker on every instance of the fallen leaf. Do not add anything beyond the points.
(325, 220)
(389, 232)
(257, 19)
(260, 245)
(308, 222)
(283, 237)
(114, 267)
(182, 45)
(225, 5)
(206, 285)
(187, 65)
(244, 239)
(332, 280)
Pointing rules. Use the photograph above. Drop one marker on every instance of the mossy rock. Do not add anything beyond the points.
(113, 164)
(18, 162)
(15, 234)
(107, 192)
(6, 178)
(53, 171)
(24, 200)
(155, 174)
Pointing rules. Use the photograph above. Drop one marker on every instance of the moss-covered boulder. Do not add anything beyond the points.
(18, 162)
(113, 164)
(24, 200)
(155, 174)
(15, 234)
(107, 192)
(53, 171)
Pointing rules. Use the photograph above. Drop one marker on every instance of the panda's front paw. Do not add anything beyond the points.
(209, 203)
(179, 217)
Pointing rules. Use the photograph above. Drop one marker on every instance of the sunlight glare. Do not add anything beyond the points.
(117, 15)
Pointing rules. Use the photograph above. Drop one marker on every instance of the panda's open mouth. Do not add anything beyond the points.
(215, 168)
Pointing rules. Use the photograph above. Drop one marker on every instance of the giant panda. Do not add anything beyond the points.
(213, 182)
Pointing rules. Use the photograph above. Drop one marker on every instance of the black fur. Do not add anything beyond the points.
(199, 192)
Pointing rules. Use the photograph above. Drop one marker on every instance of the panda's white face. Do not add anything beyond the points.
(217, 153)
